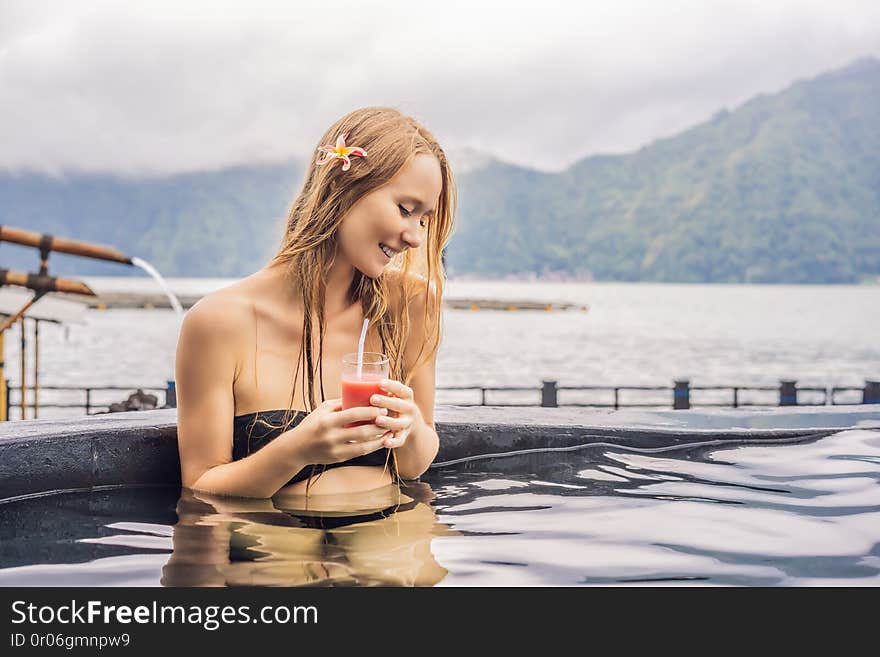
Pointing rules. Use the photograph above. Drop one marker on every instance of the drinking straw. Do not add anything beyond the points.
(361, 348)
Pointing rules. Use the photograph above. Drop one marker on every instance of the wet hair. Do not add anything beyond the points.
(391, 140)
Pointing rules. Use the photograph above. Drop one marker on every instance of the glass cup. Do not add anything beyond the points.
(356, 391)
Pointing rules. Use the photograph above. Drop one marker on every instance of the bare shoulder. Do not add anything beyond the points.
(221, 314)
(423, 310)
(416, 289)
(216, 329)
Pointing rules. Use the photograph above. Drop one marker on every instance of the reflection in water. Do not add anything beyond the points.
(379, 538)
(798, 514)
(791, 514)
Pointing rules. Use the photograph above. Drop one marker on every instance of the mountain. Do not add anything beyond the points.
(223, 223)
(785, 188)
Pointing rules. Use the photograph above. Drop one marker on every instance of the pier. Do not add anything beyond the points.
(110, 300)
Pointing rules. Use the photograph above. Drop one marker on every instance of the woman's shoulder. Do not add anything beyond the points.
(223, 312)
(422, 302)
(414, 286)
(212, 337)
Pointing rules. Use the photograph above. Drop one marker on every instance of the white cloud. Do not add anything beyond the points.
(168, 86)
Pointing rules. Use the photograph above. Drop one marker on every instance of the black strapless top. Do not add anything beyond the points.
(250, 434)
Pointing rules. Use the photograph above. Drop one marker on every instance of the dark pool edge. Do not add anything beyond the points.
(140, 448)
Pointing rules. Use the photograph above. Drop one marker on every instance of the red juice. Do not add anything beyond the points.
(357, 393)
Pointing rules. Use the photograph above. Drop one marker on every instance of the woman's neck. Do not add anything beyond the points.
(336, 293)
(339, 280)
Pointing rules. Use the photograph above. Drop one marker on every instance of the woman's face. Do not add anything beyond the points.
(391, 218)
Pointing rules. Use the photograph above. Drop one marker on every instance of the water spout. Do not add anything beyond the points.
(175, 303)
(147, 267)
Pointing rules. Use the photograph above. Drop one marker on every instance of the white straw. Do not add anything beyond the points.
(361, 349)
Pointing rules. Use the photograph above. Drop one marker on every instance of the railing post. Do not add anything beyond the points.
(88, 400)
(788, 393)
(616, 399)
(548, 394)
(871, 393)
(23, 382)
(4, 384)
(482, 396)
(681, 395)
(735, 397)
(170, 394)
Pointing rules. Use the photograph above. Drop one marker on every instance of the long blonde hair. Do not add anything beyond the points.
(391, 140)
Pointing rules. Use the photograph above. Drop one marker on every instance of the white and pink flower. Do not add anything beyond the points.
(339, 152)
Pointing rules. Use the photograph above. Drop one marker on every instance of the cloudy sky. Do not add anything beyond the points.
(143, 88)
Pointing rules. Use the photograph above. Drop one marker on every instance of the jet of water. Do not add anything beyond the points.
(175, 303)
(147, 267)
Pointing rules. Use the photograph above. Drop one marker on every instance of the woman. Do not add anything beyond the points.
(228, 541)
(259, 362)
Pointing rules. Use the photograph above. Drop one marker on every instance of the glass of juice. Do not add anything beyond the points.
(356, 391)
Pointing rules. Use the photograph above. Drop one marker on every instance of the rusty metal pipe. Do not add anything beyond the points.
(46, 243)
(42, 284)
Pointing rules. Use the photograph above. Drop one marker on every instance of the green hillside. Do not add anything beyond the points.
(785, 188)
(222, 223)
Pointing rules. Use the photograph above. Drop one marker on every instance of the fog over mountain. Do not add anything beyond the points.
(784, 188)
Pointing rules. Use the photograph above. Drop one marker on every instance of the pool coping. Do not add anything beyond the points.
(140, 447)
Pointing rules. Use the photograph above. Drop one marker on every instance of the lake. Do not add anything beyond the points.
(632, 334)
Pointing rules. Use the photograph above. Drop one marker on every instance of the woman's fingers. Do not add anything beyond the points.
(359, 448)
(358, 414)
(391, 403)
(397, 388)
(369, 432)
(393, 423)
(393, 441)
(362, 434)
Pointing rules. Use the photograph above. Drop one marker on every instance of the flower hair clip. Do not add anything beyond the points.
(339, 152)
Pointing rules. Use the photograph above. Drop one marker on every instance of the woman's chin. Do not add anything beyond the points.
(370, 273)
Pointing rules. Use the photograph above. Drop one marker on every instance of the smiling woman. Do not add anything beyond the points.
(363, 241)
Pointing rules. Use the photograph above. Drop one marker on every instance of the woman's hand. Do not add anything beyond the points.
(403, 412)
(323, 437)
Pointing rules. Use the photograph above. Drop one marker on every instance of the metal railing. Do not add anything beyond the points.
(89, 404)
(680, 395)
(787, 393)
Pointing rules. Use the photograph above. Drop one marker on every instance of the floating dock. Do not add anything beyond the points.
(109, 300)
(510, 304)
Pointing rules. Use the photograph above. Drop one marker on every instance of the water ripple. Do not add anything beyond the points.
(795, 514)
(791, 514)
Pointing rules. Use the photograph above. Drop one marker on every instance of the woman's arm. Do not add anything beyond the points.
(205, 370)
(422, 444)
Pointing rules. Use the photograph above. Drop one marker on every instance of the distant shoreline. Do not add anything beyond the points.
(150, 300)
(507, 278)
(558, 278)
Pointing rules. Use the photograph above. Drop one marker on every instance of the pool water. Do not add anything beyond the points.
(798, 513)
